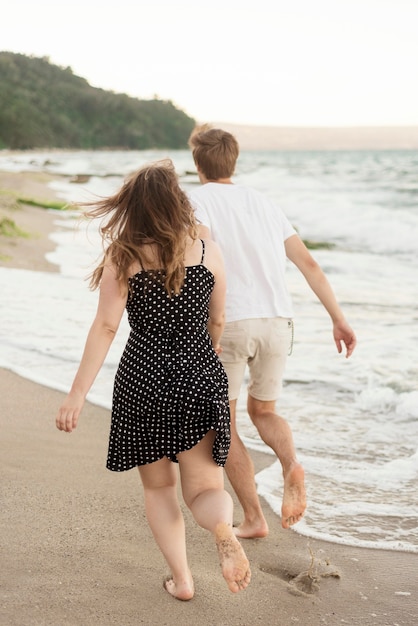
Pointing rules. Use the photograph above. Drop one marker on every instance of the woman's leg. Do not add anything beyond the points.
(166, 521)
(202, 484)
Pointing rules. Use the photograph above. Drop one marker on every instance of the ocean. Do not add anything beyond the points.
(355, 421)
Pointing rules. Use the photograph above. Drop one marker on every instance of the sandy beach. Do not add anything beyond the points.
(76, 546)
(27, 251)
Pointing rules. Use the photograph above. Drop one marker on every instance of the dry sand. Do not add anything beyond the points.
(77, 550)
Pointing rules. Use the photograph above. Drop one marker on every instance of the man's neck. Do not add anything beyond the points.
(220, 181)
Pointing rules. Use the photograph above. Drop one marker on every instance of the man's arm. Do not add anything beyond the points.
(298, 253)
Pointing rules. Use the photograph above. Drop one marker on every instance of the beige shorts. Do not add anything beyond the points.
(262, 344)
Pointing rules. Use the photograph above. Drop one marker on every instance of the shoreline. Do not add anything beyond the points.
(27, 250)
(78, 550)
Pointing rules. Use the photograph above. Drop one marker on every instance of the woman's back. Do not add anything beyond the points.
(170, 385)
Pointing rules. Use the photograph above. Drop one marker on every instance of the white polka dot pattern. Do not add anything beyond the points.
(170, 388)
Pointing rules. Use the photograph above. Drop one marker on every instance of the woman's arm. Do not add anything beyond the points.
(102, 332)
(215, 263)
(298, 253)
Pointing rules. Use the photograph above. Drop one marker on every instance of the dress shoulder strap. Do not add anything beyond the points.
(203, 252)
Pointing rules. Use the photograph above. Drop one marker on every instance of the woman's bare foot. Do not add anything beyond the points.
(252, 530)
(294, 496)
(181, 591)
(234, 563)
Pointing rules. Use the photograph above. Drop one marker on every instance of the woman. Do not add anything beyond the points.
(170, 398)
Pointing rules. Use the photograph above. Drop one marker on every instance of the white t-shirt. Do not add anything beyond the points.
(250, 230)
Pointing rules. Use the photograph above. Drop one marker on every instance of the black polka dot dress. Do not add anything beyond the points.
(170, 387)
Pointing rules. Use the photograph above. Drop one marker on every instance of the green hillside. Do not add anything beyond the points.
(47, 106)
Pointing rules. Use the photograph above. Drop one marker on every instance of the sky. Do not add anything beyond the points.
(260, 62)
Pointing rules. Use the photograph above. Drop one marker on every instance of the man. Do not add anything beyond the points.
(256, 238)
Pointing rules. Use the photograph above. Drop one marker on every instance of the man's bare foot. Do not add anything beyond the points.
(248, 530)
(234, 563)
(294, 496)
(181, 591)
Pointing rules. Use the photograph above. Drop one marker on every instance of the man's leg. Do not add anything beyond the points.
(276, 433)
(240, 471)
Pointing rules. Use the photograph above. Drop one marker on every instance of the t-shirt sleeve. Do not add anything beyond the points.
(287, 229)
(200, 212)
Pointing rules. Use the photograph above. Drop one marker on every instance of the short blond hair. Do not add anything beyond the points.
(215, 151)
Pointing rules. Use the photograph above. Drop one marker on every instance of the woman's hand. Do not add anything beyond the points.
(69, 412)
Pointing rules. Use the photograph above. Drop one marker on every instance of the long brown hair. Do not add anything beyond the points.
(150, 208)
